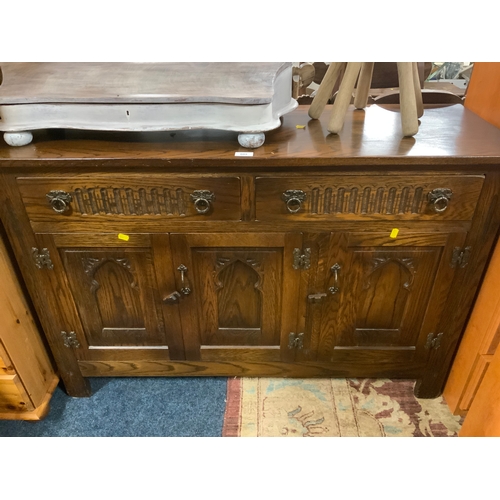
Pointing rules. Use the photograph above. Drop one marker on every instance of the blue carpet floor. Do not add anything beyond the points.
(171, 407)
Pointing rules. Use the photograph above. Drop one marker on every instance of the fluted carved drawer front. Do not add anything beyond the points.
(359, 197)
(129, 197)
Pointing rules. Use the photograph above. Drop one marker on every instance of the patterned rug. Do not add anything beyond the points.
(274, 407)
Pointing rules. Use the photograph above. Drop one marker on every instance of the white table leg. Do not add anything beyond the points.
(343, 98)
(363, 88)
(18, 138)
(408, 103)
(418, 91)
(325, 89)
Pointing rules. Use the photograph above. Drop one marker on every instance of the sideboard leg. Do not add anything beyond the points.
(18, 138)
(75, 385)
(251, 140)
(426, 391)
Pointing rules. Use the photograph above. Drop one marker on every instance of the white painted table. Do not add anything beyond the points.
(248, 98)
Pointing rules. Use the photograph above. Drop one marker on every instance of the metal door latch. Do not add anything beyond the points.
(316, 297)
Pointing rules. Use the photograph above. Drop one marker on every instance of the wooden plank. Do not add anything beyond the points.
(312, 281)
(236, 240)
(359, 356)
(483, 418)
(403, 238)
(165, 278)
(112, 225)
(475, 378)
(243, 369)
(240, 353)
(481, 337)
(331, 322)
(222, 82)
(290, 297)
(120, 240)
(247, 197)
(182, 255)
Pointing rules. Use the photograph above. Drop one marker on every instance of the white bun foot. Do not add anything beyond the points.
(18, 138)
(251, 140)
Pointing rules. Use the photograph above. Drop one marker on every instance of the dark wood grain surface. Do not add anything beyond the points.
(450, 135)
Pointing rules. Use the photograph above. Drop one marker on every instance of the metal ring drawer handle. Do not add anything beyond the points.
(440, 198)
(293, 199)
(59, 201)
(202, 200)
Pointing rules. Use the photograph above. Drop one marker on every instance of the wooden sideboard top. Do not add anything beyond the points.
(450, 136)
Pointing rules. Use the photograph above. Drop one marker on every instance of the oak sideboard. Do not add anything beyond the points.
(320, 255)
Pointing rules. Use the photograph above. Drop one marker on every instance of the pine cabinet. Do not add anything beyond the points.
(27, 375)
(343, 257)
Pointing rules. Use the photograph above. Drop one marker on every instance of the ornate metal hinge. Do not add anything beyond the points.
(433, 342)
(42, 258)
(295, 341)
(70, 340)
(301, 260)
(460, 257)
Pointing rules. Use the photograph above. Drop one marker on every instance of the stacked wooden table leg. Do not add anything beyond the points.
(409, 87)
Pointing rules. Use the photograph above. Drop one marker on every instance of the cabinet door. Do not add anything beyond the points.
(238, 295)
(383, 298)
(115, 289)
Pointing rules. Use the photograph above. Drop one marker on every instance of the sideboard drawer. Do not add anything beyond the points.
(148, 196)
(378, 197)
